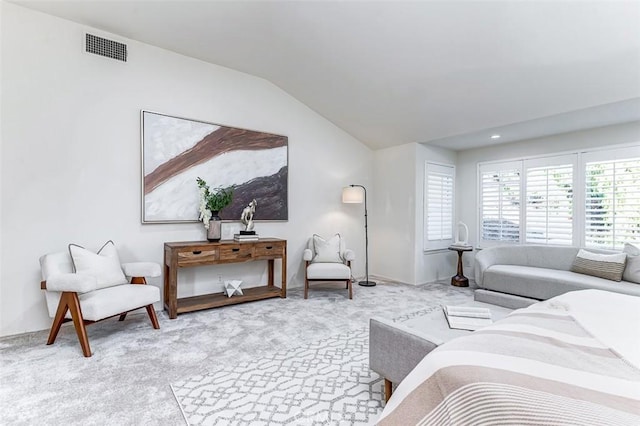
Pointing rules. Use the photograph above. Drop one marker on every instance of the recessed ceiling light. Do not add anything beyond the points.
(495, 136)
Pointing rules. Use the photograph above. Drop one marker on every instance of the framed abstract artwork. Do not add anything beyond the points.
(175, 151)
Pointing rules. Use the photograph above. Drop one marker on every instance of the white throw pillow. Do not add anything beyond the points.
(632, 270)
(608, 266)
(104, 265)
(326, 251)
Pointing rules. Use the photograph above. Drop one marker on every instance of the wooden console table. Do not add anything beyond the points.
(201, 253)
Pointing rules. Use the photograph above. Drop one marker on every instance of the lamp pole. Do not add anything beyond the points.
(366, 282)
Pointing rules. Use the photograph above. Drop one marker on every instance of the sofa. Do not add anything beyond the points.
(517, 276)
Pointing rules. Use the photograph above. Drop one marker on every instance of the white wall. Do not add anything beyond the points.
(466, 172)
(392, 215)
(398, 215)
(2, 293)
(71, 157)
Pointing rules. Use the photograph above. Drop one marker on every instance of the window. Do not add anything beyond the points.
(438, 206)
(549, 209)
(612, 202)
(587, 199)
(500, 202)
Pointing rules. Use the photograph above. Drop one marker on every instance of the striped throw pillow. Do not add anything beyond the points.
(608, 266)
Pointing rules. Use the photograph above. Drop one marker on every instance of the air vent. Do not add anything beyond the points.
(105, 47)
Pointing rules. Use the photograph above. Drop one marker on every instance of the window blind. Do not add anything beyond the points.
(612, 203)
(439, 205)
(549, 210)
(500, 203)
(587, 199)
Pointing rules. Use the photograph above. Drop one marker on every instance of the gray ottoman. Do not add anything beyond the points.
(395, 348)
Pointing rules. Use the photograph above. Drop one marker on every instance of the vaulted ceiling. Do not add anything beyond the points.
(449, 73)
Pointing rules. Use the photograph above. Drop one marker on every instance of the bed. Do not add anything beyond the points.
(570, 360)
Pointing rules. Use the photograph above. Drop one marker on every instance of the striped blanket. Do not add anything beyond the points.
(539, 366)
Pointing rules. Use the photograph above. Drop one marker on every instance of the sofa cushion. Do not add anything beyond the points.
(110, 301)
(542, 283)
(328, 271)
(608, 266)
(632, 270)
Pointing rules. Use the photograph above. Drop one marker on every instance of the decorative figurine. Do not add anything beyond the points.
(460, 241)
(247, 218)
(232, 287)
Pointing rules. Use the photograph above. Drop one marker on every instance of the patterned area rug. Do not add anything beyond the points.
(327, 382)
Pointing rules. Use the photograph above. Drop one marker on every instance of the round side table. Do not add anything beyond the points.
(459, 280)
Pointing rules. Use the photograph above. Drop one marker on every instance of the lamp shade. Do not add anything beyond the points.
(352, 194)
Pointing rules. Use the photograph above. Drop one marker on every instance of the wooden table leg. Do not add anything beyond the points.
(165, 287)
(283, 292)
(270, 272)
(171, 288)
(459, 280)
(387, 390)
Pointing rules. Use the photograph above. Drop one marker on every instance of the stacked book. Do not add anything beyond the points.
(467, 317)
(245, 237)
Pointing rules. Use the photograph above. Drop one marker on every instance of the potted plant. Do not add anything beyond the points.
(211, 202)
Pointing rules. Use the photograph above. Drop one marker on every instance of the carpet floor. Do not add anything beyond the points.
(127, 380)
(326, 382)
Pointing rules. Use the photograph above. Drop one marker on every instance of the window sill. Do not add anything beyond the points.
(435, 250)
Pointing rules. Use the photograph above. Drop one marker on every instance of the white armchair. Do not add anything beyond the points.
(86, 287)
(327, 260)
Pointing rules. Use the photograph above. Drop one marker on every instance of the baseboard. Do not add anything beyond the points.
(387, 280)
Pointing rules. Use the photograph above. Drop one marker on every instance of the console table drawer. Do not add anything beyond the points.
(236, 251)
(197, 257)
(268, 249)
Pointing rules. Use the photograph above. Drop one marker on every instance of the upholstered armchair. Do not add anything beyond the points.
(327, 260)
(86, 287)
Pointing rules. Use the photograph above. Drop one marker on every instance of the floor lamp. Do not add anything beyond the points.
(353, 194)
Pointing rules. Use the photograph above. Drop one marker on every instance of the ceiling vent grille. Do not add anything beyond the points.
(105, 47)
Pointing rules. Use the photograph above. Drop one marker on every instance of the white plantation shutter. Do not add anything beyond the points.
(549, 208)
(438, 208)
(587, 199)
(612, 200)
(500, 202)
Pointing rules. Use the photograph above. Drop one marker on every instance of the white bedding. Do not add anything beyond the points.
(581, 348)
(612, 318)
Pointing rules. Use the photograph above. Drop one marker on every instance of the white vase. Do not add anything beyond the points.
(214, 233)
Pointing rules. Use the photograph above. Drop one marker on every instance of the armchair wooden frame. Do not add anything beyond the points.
(69, 301)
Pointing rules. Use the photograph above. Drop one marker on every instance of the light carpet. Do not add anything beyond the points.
(126, 381)
(326, 382)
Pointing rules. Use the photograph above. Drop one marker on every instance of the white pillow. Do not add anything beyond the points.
(326, 251)
(632, 270)
(104, 266)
